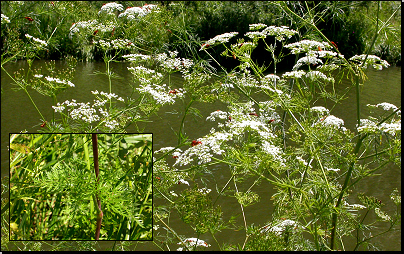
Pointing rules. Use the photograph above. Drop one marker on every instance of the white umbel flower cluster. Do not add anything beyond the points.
(279, 228)
(305, 46)
(116, 44)
(333, 121)
(40, 42)
(131, 13)
(258, 26)
(371, 126)
(161, 93)
(293, 74)
(76, 27)
(307, 60)
(66, 82)
(375, 61)
(321, 110)
(385, 106)
(136, 57)
(280, 33)
(218, 39)
(56, 80)
(4, 19)
(217, 114)
(111, 7)
(191, 242)
(236, 123)
(317, 75)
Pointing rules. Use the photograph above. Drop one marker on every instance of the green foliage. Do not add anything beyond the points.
(273, 131)
(52, 187)
(388, 43)
(196, 209)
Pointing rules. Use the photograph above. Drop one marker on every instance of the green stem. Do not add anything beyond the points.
(376, 34)
(97, 201)
(33, 103)
(344, 188)
(182, 121)
(358, 144)
(25, 90)
(172, 231)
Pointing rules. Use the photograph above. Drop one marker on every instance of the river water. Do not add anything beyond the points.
(17, 114)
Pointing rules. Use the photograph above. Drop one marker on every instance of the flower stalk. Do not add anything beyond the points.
(97, 201)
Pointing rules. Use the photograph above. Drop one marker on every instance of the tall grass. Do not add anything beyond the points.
(52, 183)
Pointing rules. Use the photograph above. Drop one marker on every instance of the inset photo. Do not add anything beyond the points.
(81, 187)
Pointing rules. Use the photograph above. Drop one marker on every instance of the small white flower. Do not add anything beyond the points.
(85, 113)
(256, 35)
(4, 19)
(332, 169)
(217, 114)
(294, 74)
(183, 182)
(306, 46)
(160, 93)
(367, 125)
(194, 241)
(386, 106)
(41, 42)
(257, 26)
(50, 79)
(172, 193)
(320, 109)
(218, 39)
(164, 149)
(204, 190)
(227, 85)
(358, 206)
(333, 121)
(303, 161)
(280, 227)
(150, 7)
(391, 128)
(307, 60)
(279, 32)
(102, 111)
(384, 216)
(58, 108)
(315, 75)
(271, 149)
(132, 13)
(136, 57)
(375, 61)
(111, 7)
(122, 44)
(111, 124)
(272, 77)
(328, 67)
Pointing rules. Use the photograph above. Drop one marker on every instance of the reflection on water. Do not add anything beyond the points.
(18, 114)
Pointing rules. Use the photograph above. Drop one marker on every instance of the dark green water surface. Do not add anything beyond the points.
(17, 114)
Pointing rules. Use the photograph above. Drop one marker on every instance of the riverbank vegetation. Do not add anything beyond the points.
(182, 26)
(277, 129)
